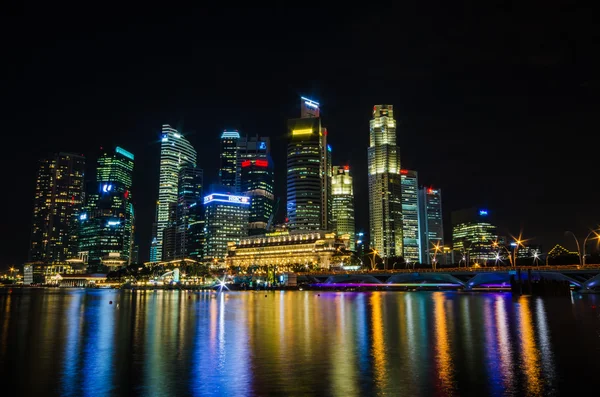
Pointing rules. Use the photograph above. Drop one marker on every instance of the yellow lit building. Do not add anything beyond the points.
(284, 248)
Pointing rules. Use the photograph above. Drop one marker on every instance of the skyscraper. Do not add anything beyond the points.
(473, 235)
(226, 218)
(431, 223)
(342, 211)
(228, 172)
(385, 192)
(107, 219)
(175, 151)
(308, 171)
(257, 181)
(57, 203)
(189, 212)
(410, 215)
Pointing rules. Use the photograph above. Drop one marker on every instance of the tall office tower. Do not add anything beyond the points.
(473, 235)
(189, 210)
(107, 219)
(175, 151)
(226, 218)
(385, 191)
(343, 204)
(410, 216)
(257, 182)
(228, 172)
(308, 171)
(169, 235)
(57, 204)
(431, 224)
(326, 172)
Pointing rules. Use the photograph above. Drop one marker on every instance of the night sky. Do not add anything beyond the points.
(496, 105)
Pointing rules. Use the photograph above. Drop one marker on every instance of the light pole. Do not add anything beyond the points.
(496, 245)
(373, 263)
(437, 249)
(518, 243)
(597, 236)
(578, 248)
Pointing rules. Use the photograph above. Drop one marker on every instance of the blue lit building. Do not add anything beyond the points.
(226, 220)
(107, 220)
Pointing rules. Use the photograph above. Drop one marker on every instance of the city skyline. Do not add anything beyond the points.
(477, 127)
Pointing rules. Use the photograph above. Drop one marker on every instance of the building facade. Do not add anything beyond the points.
(226, 218)
(107, 220)
(385, 189)
(257, 180)
(175, 151)
(318, 248)
(474, 235)
(410, 216)
(431, 223)
(190, 213)
(59, 193)
(308, 171)
(228, 170)
(342, 209)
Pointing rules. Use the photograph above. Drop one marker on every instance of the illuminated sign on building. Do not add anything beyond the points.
(310, 103)
(113, 223)
(328, 148)
(106, 188)
(262, 145)
(226, 198)
(246, 163)
(262, 163)
(274, 234)
(83, 217)
(483, 212)
(304, 131)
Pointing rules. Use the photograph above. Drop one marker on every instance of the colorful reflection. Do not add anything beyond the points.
(529, 353)
(443, 357)
(504, 345)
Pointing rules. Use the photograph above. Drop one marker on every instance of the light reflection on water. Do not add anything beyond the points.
(73, 342)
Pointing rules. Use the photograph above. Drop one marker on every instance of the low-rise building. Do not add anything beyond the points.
(317, 248)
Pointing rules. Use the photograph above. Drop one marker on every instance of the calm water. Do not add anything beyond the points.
(73, 342)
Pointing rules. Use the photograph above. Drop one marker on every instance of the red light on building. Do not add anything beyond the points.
(262, 163)
(347, 168)
(246, 163)
(430, 191)
(404, 172)
(126, 194)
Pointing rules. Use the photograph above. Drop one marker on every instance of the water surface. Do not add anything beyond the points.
(75, 343)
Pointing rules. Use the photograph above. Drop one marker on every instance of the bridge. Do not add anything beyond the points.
(582, 278)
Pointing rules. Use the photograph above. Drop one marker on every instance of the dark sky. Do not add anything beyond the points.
(496, 105)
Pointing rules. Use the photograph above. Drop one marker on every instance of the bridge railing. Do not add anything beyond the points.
(452, 270)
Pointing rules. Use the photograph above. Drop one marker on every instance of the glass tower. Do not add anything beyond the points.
(57, 204)
(189, 212)
(228, 172)
(107, 219)
(175, 151)
(431, 224)
(385, 192)
(410, 215)
(257, 182)
(226, 218)
(308, 171)
(473, 235)
(342, 210)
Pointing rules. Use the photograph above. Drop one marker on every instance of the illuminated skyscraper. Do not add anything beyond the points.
(342, 212)
(431, 223)
(107, 219)
(175, 151)
(56, 208)
(410, 216)
(190, 225)
(226, 218)
(229, 172)
(473, 235)
(308, 171)
(257, 181)
(385, 191)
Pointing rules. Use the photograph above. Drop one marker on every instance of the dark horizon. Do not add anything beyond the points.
(498, 111)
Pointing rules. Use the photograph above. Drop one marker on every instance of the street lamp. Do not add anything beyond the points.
(596, 236)
(437, 249)
(578, 248)
(372, 259)
(496, 245)
(517, 244)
